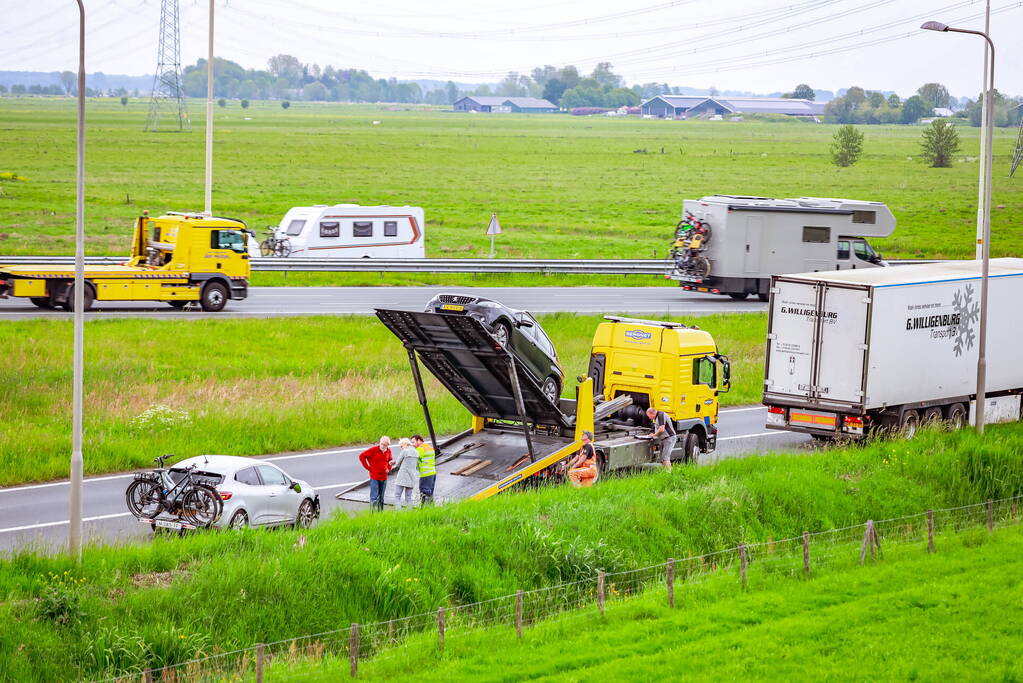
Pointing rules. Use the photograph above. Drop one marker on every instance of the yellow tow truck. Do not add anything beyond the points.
(177, 258)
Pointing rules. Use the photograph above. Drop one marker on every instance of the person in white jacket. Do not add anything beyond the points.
(407, 464)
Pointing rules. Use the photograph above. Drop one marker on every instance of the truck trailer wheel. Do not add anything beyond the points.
(42, 301)
(932, 415)
(908, 423)
(957, 415)
(214, 297)
(739, 296)
(87, 298)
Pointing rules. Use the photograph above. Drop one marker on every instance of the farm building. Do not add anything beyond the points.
(668, 106)
(518, 105)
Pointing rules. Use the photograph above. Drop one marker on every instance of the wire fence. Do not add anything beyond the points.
(799, 556)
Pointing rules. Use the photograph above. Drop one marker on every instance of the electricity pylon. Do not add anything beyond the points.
(167, 106)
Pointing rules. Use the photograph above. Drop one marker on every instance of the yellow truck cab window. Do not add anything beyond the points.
(704, 371)
(228, 239)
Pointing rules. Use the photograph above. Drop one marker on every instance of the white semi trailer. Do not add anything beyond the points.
(852, 352)
(752, 238)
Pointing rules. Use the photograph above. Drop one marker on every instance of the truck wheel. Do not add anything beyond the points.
(177, 304)
(42, 301)
(764, 296)
(738, 296)
(692, 449)
(214, 297)
(957, 415)
(87, 298)
(908, 423)
(931, 416)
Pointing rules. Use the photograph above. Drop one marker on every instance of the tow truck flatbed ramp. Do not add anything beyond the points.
(508, 465)
(466, 359)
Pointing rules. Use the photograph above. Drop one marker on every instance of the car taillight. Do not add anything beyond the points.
(853, 421)
(776, 410)
(226, 495)
(715, 291)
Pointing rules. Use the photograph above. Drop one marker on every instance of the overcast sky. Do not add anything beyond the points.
(753, 45)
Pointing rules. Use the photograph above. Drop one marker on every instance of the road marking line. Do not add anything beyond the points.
(742, 410)
(65, 483)
(337, 486)
(751, 436)
(43, 525)
(310, 455)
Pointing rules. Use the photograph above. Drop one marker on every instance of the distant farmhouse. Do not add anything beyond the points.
(687, 106)
(516, 105)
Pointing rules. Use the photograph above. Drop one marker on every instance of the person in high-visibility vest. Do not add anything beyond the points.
(427, 469)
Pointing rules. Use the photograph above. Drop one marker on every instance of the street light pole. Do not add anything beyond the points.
(209, 120)
(979, 250)
(985, 252)
(78, 302)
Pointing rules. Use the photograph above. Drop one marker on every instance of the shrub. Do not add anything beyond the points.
(846, 146)
(245, 104)
(124, 101)
(940, 143)
(222, 102)
(285, 104)
(61, 599)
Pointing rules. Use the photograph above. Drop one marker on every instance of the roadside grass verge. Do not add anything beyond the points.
(251, 387)
(172, 600)
(904, 619)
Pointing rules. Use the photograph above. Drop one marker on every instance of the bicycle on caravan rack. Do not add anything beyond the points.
(275, 245)
(192, 500)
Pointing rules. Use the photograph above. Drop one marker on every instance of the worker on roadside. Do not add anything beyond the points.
(407, 465)
(583, 470)
(663, 431)
(427, 469)
(377, 461)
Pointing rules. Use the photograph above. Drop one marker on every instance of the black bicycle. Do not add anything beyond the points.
(191, 497)
(274, 245)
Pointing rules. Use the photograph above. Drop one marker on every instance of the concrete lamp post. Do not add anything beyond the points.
(986, 160)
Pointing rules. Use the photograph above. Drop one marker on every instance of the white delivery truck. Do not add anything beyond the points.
(350, 231)
(851, 352)
(740, 241)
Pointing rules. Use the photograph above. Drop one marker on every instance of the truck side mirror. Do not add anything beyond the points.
(726, 374)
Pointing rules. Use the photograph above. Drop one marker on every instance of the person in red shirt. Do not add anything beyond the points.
(377, 461)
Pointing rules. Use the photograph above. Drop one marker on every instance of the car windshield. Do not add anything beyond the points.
(863, 251)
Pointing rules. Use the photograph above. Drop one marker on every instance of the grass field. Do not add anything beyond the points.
(173, 599)
(903, 620)
(563, 186)
(251, 387)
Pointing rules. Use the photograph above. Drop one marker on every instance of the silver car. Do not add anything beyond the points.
(255, 492)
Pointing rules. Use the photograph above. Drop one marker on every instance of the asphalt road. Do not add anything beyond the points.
(286, 301)
(36, 515)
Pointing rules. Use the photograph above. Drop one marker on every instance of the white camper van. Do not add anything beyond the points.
(352, 231)
(731, 244)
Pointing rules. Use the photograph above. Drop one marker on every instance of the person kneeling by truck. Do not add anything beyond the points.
(664, 430)
(583, 470)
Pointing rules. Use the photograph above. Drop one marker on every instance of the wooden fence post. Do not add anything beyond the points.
(147, 676)
(867, 541)
(440, 628)
(990, 516)
(742, 563)
(518, 614)
(259, 662)
(600, 593)
(671, 582)
(806, 552)
(353, 649)
(876, 546)
(930, 531)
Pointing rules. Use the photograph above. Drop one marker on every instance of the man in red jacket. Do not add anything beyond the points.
(377, 461)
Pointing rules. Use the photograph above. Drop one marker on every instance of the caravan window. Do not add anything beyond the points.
(390, 228)
(330, 229)
(843, 250)
(362, 229)
(295, 228)
(816, 235)
(869, 217)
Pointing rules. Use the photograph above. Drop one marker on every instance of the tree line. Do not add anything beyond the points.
(873, 107)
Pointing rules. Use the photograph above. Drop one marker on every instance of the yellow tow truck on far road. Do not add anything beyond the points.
(177, 258)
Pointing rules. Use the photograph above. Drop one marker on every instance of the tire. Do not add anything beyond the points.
(706, 234)
(691, 448)
(214, 297)
(931, 416)
(502, 333)
(738, 297)
(306, 515)
(239, 520)
(283, 248)
(765, 297)
(42, 302)
(143, 498)
(178, 304)
(957, 415)
(266, 248)
(87, 299)
(201, 506)
(909, 423)
(551, 390)
(700, 266)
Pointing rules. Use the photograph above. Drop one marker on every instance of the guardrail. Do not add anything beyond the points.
(424, 265)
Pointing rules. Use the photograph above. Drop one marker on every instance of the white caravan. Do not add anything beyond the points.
(752, 238)
(353, 231)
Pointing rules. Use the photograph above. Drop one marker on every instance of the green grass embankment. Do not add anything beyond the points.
(252, 387)
(174, 599)
(950, 616)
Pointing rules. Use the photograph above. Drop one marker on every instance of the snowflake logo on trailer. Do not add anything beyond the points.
(968, 311)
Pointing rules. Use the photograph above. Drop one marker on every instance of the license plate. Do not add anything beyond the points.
(701, 289)
(452, 307)
(167, 525)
